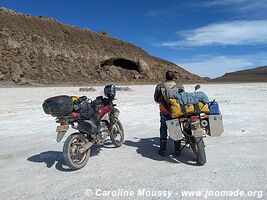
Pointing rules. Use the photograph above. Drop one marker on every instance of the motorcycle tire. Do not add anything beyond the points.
(72, 158)
(200, 151)
(116, 129)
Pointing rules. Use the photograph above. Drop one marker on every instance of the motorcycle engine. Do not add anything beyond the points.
(104, 131)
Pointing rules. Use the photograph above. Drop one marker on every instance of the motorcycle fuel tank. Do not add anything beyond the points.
(103, 111)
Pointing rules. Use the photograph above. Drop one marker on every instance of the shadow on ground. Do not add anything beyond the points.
(148, 148)
(51, 158)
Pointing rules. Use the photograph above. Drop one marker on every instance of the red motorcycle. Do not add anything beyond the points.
(93, 127)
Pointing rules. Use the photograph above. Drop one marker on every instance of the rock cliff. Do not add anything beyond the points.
(37, 50)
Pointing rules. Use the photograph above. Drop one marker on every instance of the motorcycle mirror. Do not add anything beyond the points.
(197, 87)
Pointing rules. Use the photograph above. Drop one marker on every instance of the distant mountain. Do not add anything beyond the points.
(38, 50)
(258, 74)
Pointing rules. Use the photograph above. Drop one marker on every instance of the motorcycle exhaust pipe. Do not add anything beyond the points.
(204, 123)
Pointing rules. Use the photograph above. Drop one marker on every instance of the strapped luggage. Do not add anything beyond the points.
(177, 110)
(58, 105)
(185, 103)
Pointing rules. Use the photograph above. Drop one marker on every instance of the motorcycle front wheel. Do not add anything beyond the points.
(116, 132)
(200, 151)
(71, 154)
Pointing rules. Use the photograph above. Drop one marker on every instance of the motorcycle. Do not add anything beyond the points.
(77, 146)
(192, 128)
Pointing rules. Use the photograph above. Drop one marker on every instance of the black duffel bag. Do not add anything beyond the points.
(58, 105)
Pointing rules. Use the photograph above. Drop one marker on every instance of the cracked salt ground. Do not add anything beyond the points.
(31, 165)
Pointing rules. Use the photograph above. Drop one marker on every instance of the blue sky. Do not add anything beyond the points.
(206, 37)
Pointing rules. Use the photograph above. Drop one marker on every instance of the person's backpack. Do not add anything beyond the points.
(170, 90)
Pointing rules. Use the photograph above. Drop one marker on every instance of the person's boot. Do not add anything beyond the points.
(162, 148)
(177, 148)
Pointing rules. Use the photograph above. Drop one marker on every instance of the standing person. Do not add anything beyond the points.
(163, 92)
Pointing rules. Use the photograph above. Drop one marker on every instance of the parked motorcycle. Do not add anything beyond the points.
(90, 131)
(192, 128)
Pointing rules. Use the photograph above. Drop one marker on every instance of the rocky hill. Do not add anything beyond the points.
(37, 50)
(250, 75)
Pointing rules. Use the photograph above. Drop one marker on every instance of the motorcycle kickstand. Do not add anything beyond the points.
(183, 145)
(182, 148)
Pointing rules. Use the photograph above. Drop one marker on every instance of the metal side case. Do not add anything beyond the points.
(215, 125)
(174, 128)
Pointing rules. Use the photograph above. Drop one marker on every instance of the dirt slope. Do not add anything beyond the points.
(37, 50)
(258, 74)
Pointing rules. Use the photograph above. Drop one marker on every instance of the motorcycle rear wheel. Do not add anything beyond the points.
(116, 132)
(200, 151)
(72, 158)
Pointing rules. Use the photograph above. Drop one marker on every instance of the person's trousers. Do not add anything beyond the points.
(163, 126)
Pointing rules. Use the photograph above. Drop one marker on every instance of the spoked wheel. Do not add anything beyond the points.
(198, 147)
(200, 151)
(116, 132)
(73, 157)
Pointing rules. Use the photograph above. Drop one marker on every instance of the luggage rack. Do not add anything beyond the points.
(187, 116)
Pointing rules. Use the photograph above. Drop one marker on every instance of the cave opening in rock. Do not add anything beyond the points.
(123, 63)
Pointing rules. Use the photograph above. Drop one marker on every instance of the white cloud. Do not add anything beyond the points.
(208, 66)
(227, 2)
(165, 12)
(252, 32)
(237, 5)
(233, 33)
(151, 13)
(248, 8)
